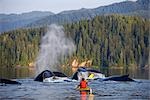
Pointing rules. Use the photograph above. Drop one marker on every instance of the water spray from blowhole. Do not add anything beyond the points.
(55, 46)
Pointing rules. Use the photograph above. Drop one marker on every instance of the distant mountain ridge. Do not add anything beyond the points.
(13, 21)
(138, 8)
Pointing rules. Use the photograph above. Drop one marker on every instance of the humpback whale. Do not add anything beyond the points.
(48, 76)
(7, 81)
(85, 73)
(44, 74)
(59, 74)
(89, 74)
(118, 78)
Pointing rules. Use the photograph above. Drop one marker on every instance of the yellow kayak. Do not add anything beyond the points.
(84, 89)
(88, 89)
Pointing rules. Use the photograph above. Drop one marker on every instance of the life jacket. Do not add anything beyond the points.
(83, 84)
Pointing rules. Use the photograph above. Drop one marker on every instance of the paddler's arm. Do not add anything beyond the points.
(78, 87)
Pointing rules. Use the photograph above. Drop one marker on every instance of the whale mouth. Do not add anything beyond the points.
(49, 76)
(88, 74)
(57, 79)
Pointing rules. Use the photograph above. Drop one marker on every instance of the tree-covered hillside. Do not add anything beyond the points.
(112, 40)
(19, 47)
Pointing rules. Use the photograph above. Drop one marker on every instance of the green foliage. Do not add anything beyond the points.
(112, 40)
(19, 47)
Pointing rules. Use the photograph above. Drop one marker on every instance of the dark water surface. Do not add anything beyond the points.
(102, 90)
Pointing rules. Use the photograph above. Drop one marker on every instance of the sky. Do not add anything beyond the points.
(55, 6)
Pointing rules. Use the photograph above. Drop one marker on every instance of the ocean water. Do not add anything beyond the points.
(102, 90)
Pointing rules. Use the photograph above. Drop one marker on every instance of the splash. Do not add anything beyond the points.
(55, 46)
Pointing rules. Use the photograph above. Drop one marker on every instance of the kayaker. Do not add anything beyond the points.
(83, 86)
(83, 83)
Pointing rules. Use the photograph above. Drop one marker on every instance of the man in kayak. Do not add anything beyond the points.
(83, 84)
(84, 90)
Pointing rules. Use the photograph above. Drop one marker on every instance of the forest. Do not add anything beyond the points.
(108, 40)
